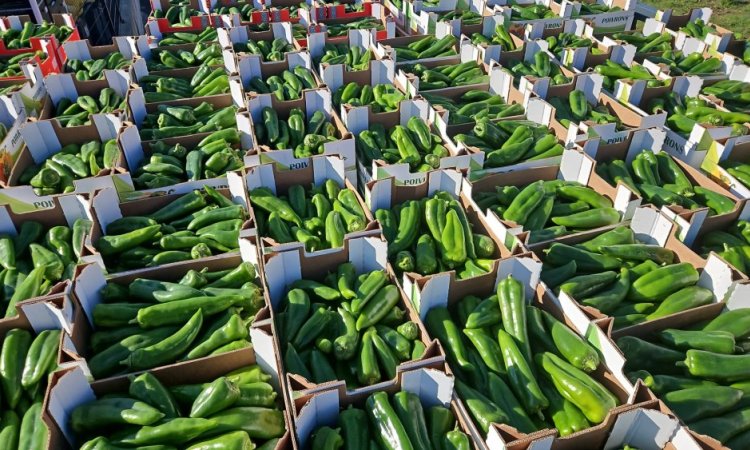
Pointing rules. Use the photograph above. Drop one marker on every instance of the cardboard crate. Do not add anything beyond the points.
(336, 75)
(107, 207)
(426, 19)
(445, 290)
(433, 387)
(70, 389)
(495, 52)
(312, 101)
(140, 65)
(574, 166)
(387, 193)
(367, 254)
(734, 149)
(653, 140)
(44, 139)
(83, 50)
(249, 65)
(563, 11)
(410, 82)
(463, 46)
(137, 153)
(319, 19)
(313, 173)
(359, 119)
(610, 21)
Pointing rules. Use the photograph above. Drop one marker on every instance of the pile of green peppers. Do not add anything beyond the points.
(550, 209)
(174, 121)
(449, 75)
(474, 105)
(236, 411)
(288, 86)
(623, 278)
(515, 362)
(26, 361)
(732, 244)
(151, 323)
(11, 67)
(37, 258)
(509, 142)
(685, 114)
(654, 42)
(500, 37)
(167, 166)
(75, 113)
(414, 144)
(693, 64)
(702, 372)
(661, 181)
(178, 14)
(319, 217)
(352, 56)
(93, 69)
(434, 236)
(380, 97)
(578, 110)
(304, 136)
(736, 97)
(558, 44)
(205, 82)
(541, 68)
(401, 421)
(73, 162)
(739, 170)
(427, 47)
(268, 51)
(339, 28)
(183, 37)
(202, 55)
(350, 327)
(196, 225)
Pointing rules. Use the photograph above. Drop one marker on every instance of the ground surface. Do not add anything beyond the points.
(731, 14)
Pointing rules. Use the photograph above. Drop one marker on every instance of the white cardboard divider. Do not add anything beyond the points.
(648, 429)
(378, 193)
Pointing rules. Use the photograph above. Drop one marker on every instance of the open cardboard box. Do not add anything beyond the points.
(316, 42)
(36, 320)
(591, 86)
(582, 59)
(412, 10)
(360, 119)
(652, 227)
(54, 305)
(137, 153)
(495, 52)
(60, 56)
(574, 166)
(433, 387)
(107, 207)
(265, 15)
(318, 21)
(378, 72)
(44, 139)
(312, 101)
(314, 173)
(126, 45)
(463, 47)
(728, 62)
(366, 254)
(71, 388)
(25, 100)
(410, 82)
(445, 290)
(427, 20)
(562, 11)
(250, 65)
(149, 54)
(65, 86)
(734, 149)
(386, 193)
(139, 108)
(686, 320)
(653, 140)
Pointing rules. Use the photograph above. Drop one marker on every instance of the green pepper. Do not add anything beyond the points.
(520, 375)
(354, 428)
(148, 389)
(571, 346)
(386, 423)
(217, 396)
(15, 347)
(232, 440)
(33, 433)
(41, 357)
(109, 411)
(168, 349)
(482, 409)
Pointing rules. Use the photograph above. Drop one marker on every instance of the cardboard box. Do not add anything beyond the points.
(433, 387)
(610, 21)
(359, 119)
(591, 86)
(316, 42)
(55, 305)
(652, 227)
(388, 192)
(409, 82)
(581, 59)
(464, 49)
(312, 101)
(65, 86)
(444, 290)
(43, 139)
(320, 19)
(70, 389)
(367, 254)
(148, 54)
(106, 208)
(427, 19)
(574, 166)
(314, 173)
(495, 52)
(138, 153)
(264, 14)
(17, 23)
(83, 51)
(653, 140)
(24, 100)
(562, 11)
(335, 76)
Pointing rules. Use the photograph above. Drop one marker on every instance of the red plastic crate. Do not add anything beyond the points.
(49, 65)
(197, 24)
(58, 50)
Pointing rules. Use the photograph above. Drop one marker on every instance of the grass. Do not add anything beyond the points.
(733, 15)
